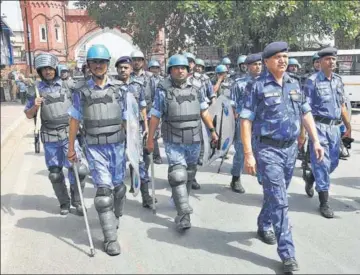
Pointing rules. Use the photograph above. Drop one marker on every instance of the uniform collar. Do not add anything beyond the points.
(56, 82)
(321, 76)
(270, 78)
(92, 83)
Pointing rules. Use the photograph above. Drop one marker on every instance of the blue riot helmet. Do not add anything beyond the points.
(199, 62)
(153, 63)
(293, 61)
(62, 68)
(43, 60)
(177, 60)
(98, 52)
(221, 69)
(226, 61)
(241, 59)
(315, 57)
(189, 56)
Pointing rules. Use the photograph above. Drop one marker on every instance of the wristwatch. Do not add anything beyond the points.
(212, 130)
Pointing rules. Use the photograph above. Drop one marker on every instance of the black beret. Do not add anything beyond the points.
(274, 48)
(122, 60)
(329, 51)
(251, 58)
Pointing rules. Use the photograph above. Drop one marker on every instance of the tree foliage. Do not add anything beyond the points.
(247, 25)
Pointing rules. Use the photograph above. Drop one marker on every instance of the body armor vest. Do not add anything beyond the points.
(54, 115)
(102, 115)
(225, 89)
(182, 121)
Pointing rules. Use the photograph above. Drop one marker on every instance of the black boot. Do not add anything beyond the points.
(267, 237)
(75, 197)
(236, 185)
(131, 179)
(195, 185)
(147, 201)
(61, 192)
(309, 183)
(325, 209)
(290, 265)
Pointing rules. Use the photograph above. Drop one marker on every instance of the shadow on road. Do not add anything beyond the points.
(67, 228)
(353, 182)
(12, 202)
(210, 240)
(215, 242)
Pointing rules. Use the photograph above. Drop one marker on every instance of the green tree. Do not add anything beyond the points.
(245, 25)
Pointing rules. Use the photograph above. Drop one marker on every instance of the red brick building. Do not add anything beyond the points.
(54, 27)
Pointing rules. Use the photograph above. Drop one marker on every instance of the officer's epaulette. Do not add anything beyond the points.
(294, 76)
(137, 81)
(79, 84)
(337, 75)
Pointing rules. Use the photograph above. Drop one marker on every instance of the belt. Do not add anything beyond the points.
(276, 143)
(327, 121)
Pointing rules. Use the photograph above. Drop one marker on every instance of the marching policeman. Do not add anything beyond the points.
(191, 59)
(145, 78)
(325, 94)
(100, 104)
(154, 68)
(210, 97)
(180, 103)
(124, 68)
(316, 62)
(253, 62)
(222, 83)
(199, 73)
(293, 66)
(55, 100)
(241, 67)
(272, 111)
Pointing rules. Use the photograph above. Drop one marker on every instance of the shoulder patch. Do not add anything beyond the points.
(337, 76)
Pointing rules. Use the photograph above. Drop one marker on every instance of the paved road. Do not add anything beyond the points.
(36, 239)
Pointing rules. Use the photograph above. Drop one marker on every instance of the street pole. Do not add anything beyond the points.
(28, 38)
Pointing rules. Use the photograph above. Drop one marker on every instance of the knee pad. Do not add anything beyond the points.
(83, 171)
(56, 174)
(177, 175)
(120, 191)
(103, 200)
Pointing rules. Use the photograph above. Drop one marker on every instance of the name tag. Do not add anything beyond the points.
(272, 94)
